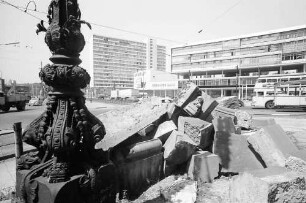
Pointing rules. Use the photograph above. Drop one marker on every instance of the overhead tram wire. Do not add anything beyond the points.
(19, 8)
(99, 25)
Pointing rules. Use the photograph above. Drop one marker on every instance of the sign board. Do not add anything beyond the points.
(165, 85)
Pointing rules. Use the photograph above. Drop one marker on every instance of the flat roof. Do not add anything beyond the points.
(243, 36)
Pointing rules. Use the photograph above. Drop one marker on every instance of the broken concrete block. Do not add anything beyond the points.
(259, 123)
(244, 119)
(207, 108)
(194, 107)
(178, 148)
(229, 102)
(264, 145)
(174, 112)
(282, 186)
(188, 94)
(273, 145)
(201, 132)
(164, 130)
(181, 191)
(235, 153)
(203, 166)
(224, 124)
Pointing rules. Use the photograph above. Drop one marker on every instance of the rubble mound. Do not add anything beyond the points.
(202, 140)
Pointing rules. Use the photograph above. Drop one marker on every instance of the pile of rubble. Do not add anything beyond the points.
(195, 150)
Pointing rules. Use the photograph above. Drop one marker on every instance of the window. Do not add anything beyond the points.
(261, 80)
(270, 93)
(272, 80)
(260, 94)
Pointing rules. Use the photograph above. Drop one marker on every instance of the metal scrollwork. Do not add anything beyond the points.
(66, 133)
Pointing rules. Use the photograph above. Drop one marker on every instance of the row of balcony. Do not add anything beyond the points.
(219, 82)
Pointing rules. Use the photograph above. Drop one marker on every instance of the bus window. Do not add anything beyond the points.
(284, 79)
(292, 93)
(260, 94)
(269, 93)
(261, 80)
(272, 80)
(291, 79)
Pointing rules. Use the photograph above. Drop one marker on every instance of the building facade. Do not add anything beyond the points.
(156, 83)
(116, 60)
(225, 67)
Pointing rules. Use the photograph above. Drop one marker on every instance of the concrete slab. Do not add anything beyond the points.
(194, 107)
(203, 166)
(224, 124)
(274, 146)
(207, 108)
(164, 130)
(235, 153)
(174, 112)
(178, 148)
(201, 132)
(188, 94)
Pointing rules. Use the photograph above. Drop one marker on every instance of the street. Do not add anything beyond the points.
(7, 119)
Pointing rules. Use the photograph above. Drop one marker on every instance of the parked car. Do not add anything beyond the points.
(166, 100)
(35, 101)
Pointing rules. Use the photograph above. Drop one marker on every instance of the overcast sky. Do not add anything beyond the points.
(177, 20)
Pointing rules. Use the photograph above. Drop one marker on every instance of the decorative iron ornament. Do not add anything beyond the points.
(66, 133)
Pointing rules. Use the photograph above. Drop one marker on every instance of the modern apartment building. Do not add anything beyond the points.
(161, 58)
(116, 60)
(223, 67)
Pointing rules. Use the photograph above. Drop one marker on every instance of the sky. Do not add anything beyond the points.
(171, 22)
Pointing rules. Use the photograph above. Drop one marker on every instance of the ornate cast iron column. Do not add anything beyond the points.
(66, 167)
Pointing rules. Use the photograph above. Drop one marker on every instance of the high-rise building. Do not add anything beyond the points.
(217, 66)
(156, 56)
(116, 60)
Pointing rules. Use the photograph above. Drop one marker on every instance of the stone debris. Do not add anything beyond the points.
(273, 145)
(203, 166)
(231, 102)
(194, 107)
(187, 94)
(164, 130)
(203, 139)
(201, 132)
(208, 106)
(178, 148)
(174, 112)
(239, 117)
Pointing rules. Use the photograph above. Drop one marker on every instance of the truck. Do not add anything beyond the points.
(13, 96)
(124, 94)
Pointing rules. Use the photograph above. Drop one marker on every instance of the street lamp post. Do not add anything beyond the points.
(66, 167)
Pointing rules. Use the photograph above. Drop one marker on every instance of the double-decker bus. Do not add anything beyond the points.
(264, 89)
(293, 94)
